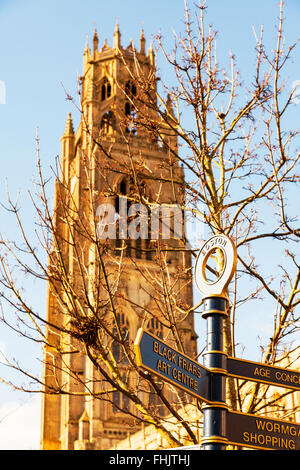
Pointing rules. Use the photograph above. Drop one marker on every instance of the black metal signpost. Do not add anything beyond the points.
(215, 311)
(221, 427)
(214, 415)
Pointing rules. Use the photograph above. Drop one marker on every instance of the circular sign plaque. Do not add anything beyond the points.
(217, 287)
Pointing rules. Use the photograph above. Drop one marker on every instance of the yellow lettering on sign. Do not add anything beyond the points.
(262, 372)
(164, 352)
(268, 441)
(279, 428)
(163, 367)
(287, 377)
(184, 379)
(255, 439)
(189, 366)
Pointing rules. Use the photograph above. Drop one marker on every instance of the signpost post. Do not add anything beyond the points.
(214, 414)
(215, 311)
(221, 427)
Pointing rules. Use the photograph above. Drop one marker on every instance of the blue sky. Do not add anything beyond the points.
(41, 47)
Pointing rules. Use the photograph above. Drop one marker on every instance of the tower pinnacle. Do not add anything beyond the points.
(142, 42)
(69, 130)
(95, 41)
(151, 54)
(117, 36)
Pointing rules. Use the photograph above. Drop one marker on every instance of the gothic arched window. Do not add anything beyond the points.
(154, 401)
(130, 112)
(107, 123)
(121, 212)
(120, 400)
(117, 346)
(130, 89)
(154, 326)
(105, 89)
(132, 220)
(121, 195)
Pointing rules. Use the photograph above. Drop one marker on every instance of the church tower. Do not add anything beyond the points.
(113, 271)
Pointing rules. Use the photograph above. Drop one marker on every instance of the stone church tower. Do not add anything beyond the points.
(106, 157)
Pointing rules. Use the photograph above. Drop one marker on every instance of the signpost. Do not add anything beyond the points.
(264, 373)
(262, 433)
(174, 367)
(221, 427)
